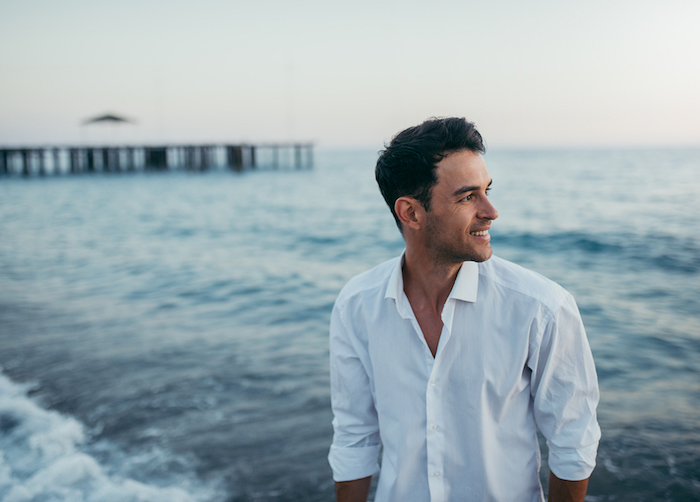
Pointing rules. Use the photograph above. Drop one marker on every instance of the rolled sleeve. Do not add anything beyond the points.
(565, 392)
(353, 463)
(572, 464)
(356, 442)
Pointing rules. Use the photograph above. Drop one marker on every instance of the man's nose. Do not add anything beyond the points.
(487, 211)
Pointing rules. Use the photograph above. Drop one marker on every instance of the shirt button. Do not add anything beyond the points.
(433, 382)
(435, 427)
(436, 474)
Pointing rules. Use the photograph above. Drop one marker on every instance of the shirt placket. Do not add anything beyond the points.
(435, 433)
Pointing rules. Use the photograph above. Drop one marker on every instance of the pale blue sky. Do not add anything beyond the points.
(538, 73)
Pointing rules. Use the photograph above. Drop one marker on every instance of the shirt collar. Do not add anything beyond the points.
(465, 287)
(467, 282)
(395, 285)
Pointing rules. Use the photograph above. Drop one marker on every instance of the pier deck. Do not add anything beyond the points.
(45, 160)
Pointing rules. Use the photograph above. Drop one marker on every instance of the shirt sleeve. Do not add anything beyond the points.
(564, 387)
(356, 443)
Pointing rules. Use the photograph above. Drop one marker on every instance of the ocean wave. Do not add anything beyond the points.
(665, 252)
(42, 458)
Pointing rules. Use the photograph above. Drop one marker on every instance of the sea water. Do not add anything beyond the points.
(163, 337)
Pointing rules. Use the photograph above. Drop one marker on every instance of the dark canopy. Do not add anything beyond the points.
(106, 118)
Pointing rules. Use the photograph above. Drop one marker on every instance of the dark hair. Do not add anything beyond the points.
(406, 167)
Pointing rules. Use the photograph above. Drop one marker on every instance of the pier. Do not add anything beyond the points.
(58, 160)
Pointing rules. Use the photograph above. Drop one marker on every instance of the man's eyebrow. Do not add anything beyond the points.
(466, 189)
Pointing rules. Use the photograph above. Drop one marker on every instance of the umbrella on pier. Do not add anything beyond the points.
(107, 118)
(107, 122)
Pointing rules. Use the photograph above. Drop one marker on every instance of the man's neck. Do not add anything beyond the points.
(427, 281)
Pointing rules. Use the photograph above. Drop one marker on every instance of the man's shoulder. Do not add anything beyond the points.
(518, 279)
(373, 280)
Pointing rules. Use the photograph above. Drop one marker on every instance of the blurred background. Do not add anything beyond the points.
(163, 336)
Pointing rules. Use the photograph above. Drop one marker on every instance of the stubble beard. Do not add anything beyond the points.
(445, 248)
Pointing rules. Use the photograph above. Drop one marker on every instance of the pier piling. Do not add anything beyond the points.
(57, 160)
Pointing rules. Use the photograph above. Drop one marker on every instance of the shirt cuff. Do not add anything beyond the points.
(572, 464)
(354, 462)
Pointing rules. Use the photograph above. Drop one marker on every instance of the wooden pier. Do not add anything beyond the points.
(55, 160)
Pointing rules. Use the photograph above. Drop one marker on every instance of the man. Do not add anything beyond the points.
(448, 358)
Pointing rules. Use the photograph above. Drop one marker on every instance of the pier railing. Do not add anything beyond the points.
(45, 160)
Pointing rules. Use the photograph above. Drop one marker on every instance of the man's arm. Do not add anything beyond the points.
(356, 441)
(565, 391)
(561, 490)
(353, 491)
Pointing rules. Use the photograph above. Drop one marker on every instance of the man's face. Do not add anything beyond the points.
(460, 213)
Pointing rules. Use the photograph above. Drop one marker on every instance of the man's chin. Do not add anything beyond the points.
(483, 256)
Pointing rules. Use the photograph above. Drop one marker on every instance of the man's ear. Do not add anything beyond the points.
(410, 212)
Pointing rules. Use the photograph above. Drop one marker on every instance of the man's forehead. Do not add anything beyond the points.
(462, 167)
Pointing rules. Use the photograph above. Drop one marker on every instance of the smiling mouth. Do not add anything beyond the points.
(482, 232)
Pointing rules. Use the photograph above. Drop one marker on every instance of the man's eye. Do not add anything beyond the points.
(468, 197)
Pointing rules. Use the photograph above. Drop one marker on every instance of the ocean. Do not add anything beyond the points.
(163, 336)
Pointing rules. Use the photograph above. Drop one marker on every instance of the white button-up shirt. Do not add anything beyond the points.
(512, 356)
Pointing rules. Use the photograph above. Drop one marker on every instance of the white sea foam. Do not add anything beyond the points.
(42, 458)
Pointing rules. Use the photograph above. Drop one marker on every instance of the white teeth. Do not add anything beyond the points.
(483, 232)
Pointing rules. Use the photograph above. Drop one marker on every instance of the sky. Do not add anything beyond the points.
(542, 73)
